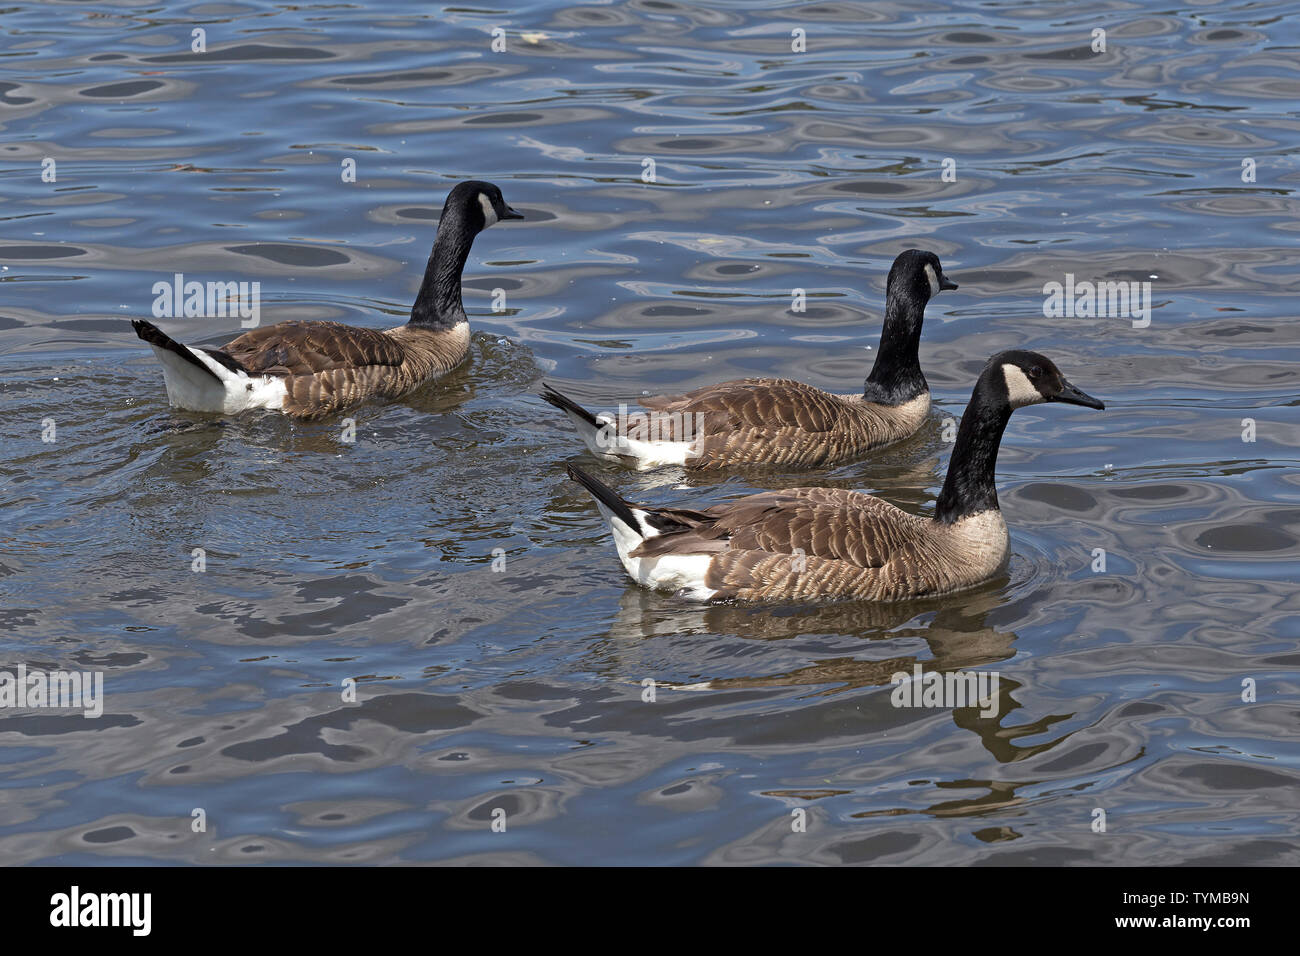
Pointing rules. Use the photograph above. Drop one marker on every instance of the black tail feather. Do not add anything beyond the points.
(224, 360)
(566, 404)
(608, 497)
(156, 336)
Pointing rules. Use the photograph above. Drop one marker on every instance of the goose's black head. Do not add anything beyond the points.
(896, 376)
(470, 208)
(474, 205)
(1010, 380)
(918, 275)
(1027, 378)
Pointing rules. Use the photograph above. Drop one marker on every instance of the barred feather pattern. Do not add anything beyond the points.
(829, 543)
(329, 367)
(776, 422)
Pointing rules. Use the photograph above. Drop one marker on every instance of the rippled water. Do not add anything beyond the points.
(520, 690)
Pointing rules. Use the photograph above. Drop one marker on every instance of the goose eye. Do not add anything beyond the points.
(1035, 373)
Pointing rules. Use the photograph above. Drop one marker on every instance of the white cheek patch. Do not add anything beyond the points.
(1020, 391)
(934, 279)
(489, 214)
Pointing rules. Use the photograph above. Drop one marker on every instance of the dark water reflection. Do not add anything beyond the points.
(481, 690)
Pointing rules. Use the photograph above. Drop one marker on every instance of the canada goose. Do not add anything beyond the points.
(312, 369)
(780, 422)
(827, 543)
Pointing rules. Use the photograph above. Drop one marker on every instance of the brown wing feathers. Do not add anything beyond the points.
(800, 542)
(327, 366)
(756, 403)
(305, 348)
(818, 544)
(770, 422)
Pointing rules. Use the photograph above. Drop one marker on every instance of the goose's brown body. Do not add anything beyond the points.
(828, 543)
(778, 422)
(310, 370)
(328, 367)
(804, 544)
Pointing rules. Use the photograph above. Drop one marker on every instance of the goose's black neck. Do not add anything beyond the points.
(971, 485)
(896, 376)
(438, 304)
